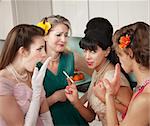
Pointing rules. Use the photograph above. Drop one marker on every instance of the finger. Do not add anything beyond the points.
(117, 72)
(99, 82)
(35, 73)
(44, 67)
(68, 90)
(69, 81)
(106, 84)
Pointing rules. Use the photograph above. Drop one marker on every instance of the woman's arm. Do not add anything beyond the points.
(56, 96)
(83, 99)
(72, 95)
(9, 110)
(138, 110)
(111, 115)
(122, 99)
(45, 114)
(87, 113)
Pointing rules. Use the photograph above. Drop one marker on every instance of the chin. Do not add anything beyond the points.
(91, 67)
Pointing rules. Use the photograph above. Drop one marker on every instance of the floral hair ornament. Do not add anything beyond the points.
(124, 41)
(45, 25)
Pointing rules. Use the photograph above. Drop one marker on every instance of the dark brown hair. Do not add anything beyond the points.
(20, 36)
(139, 33)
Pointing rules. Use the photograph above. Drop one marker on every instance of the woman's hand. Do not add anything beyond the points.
(112, 87)
(72, 92)
(60, 95)
(104, 86)
(38, 76)
(115, 83)
(99, 91)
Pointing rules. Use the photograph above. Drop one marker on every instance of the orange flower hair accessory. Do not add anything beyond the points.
(124, 41)
(45, 25)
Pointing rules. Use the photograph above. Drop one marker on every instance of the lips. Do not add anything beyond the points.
(89, 63)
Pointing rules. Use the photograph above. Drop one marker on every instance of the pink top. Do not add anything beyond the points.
(21, 92)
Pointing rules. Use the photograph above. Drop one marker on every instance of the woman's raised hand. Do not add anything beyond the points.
(38, 76)
(71, 92)
(112, 87)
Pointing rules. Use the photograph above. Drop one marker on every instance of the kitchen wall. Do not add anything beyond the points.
(118, 12)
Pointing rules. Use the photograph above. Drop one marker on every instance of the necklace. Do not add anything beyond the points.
(140, 87)
(17, 76)
(103, 68)
(100, 72)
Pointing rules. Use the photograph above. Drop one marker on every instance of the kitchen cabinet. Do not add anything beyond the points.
(6, 18)
(74, 10)
(79, 12)
(118, 12)
(13, 12)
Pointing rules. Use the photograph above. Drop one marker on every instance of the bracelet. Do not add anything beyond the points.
(117, 101)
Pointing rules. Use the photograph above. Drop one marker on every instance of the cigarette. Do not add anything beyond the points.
(68, 77)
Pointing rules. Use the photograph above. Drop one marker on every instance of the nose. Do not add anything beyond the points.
(64, 38)
(87, 55)
(43, 53)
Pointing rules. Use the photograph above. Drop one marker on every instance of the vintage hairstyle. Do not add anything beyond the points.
(20, 36)
(55, 20)
(139, 34)
(99, 32)
(100, 23)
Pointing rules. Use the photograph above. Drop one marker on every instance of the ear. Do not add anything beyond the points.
(107, 51)
(130, 53)
(23, 52)
(46, 38)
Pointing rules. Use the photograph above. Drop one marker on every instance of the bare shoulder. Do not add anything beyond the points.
(2, 72)
(139, 109)
(142, 101)
(5, 73)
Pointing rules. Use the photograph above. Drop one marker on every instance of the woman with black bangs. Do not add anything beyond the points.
(97, 46)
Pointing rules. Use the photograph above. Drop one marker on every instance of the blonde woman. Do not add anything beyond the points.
(56, 37)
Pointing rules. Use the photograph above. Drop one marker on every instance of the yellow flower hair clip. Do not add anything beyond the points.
(45, 25)
(124, 41)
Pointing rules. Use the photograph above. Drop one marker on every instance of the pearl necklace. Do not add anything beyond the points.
(17, 76)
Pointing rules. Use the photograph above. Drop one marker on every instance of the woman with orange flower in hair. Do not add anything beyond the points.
(132, 46)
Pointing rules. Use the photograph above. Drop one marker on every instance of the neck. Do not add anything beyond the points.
(19, 69)
(142, 74)
(53, 54)
(101, 65)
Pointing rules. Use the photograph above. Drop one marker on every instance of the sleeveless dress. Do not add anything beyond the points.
(63, 113)
(22, 94)
(137, 93)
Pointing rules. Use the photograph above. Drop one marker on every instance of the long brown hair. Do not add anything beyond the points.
(20, 36)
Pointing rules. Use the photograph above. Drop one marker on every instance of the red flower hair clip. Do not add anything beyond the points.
(124, 41)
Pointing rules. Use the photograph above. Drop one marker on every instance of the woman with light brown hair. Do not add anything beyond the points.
(22, 98)
(132, 46)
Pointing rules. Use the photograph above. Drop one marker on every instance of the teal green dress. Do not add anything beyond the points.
(63, 113)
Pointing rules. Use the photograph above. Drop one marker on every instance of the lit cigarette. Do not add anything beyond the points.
(68, 77)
